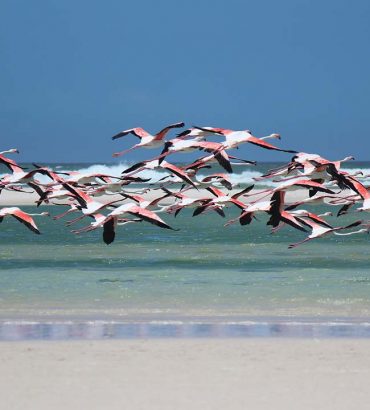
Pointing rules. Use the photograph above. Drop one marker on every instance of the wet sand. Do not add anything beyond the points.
(186, 374)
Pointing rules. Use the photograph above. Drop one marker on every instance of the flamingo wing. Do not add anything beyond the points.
(277, 202)
(109, 230)
(216, 192)
(200, 209)
(266, 145)
(10, 164)
(245, 218)
(80, 196)
(223, 159)
(138, 132)
(26, 220)
(222, 131)
(148, 216)
(359, 188)
(134, 167)
(343, 210)
(161, 134)
(292, 221)
(244, 191)
(178, 172)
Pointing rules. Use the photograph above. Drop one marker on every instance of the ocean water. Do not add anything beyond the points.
(204, 274)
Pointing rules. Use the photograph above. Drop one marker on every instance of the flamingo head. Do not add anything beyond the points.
(327, 214)
(350, 158)
(275, 135)
(191, 172)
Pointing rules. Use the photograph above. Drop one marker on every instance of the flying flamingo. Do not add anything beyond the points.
(361, 190)
(234, 138)
(10, 151)
(319, 230)
(78, 178)
(326, 200)
(327, 171)
(185, 202)
(222, 158)
(87, 205)
(221, 199)
(297, 163)
(108, 224)
(278, 213)
(178, 145)
(222, 179)
(9, 163)
(138, 211)
(304, 159)
(56, 192)
(296, 215)
(21, 177)
(115, 187)
(195, 134)
(248, 212)
(23, 217)
(294, 185)
(146, 140)
(148, 204)
(156, 164)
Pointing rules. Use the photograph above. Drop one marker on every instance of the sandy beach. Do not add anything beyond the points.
(186, 374)
(9, 198)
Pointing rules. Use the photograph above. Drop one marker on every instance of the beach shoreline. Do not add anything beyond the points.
(207, 329)
(186, 374)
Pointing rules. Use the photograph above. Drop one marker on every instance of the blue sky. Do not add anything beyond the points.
(73, 73)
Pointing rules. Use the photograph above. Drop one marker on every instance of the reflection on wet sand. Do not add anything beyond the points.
(95, 330)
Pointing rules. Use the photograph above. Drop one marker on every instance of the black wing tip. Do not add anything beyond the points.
(183, 133)
(119, 135)
(354, 224)
(198, 210)
(108, 239)
(33, 229)
(200, 128)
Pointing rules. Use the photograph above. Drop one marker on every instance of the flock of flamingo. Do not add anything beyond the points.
(88, 194)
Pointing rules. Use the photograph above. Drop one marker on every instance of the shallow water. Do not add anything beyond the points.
(202, 270)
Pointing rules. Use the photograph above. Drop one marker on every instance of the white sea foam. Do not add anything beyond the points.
(113, 170)
(245, 177)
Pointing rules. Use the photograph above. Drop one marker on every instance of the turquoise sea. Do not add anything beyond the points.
(237, 280)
